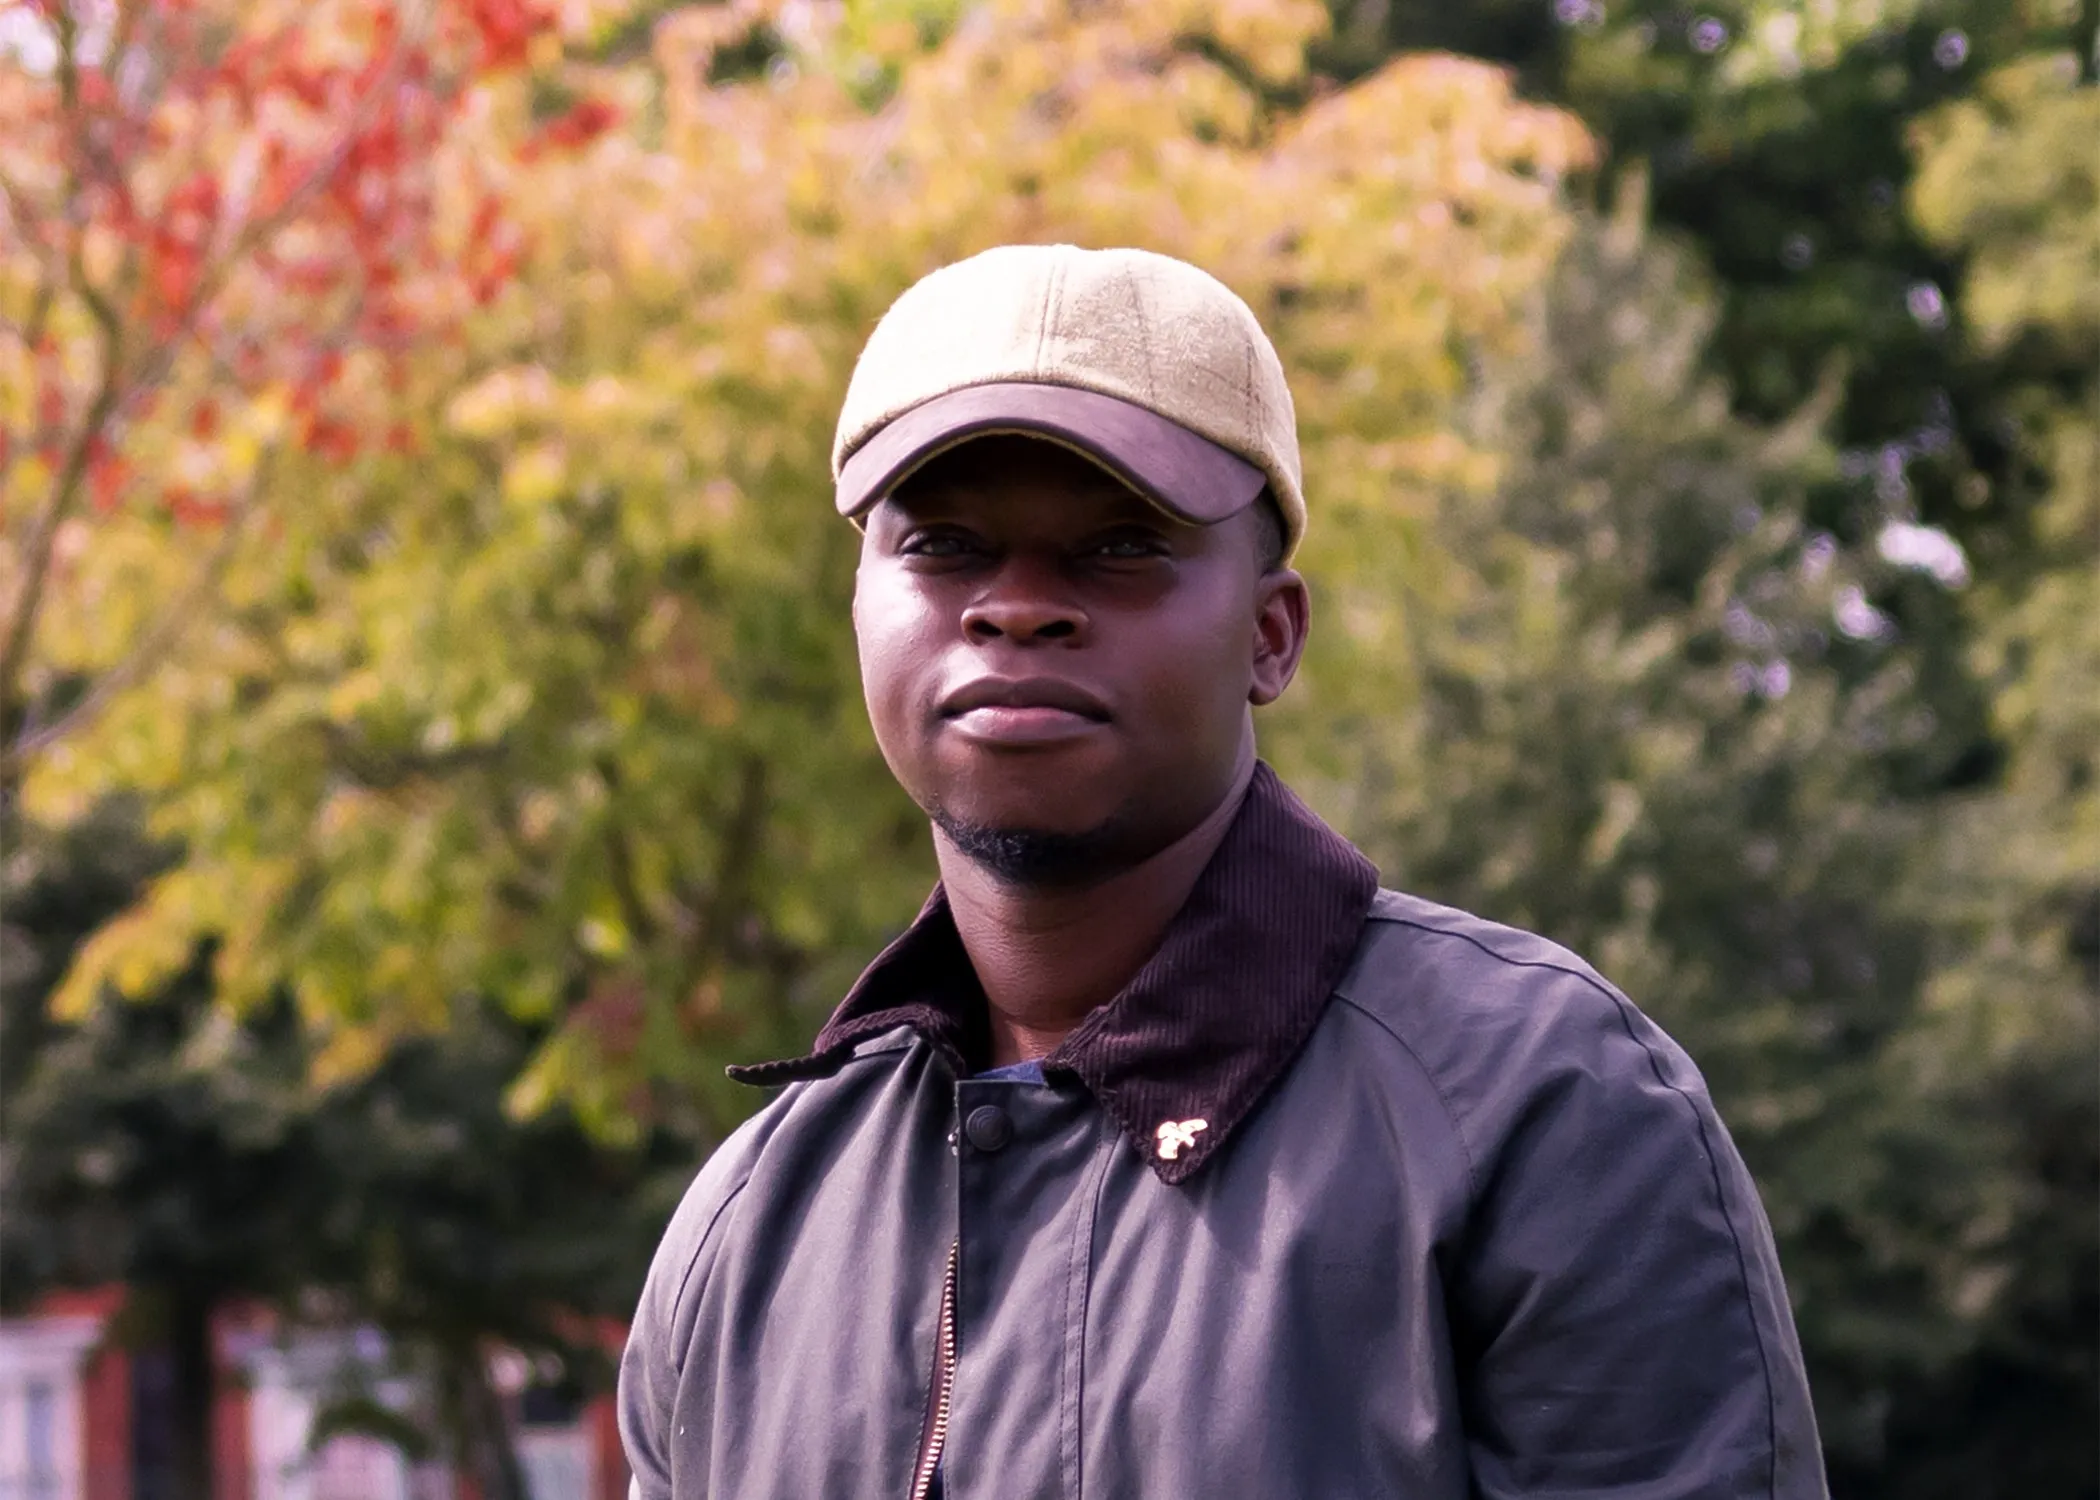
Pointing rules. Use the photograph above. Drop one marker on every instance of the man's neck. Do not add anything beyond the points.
(1048, 957)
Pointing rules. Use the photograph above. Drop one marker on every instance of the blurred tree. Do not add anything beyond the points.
(2011, 179)
(562, 708)
(458, 1228)
(159, 1145)
(222, 227)
(1775, 136)
(165, 1145)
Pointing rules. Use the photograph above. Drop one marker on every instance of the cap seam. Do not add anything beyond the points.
(1051, 295)
(1143, 324)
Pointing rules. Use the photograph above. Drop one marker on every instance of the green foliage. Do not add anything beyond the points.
(165, 1140)
(166, 1144)
(1778, 139)
(1643, 730)
(2005, 180)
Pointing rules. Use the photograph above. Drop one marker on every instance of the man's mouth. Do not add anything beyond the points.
(1023, 711)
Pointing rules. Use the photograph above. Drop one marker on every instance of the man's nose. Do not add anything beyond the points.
(1025, 602)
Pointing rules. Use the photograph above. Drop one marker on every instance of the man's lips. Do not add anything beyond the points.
(1023, 711)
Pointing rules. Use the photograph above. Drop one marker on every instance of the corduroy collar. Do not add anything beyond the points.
(1202, 1029)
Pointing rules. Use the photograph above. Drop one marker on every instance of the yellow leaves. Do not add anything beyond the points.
(346, 809)
(353, 694)
(603, 937)
(131, 954)
(572, 1070)
(2014, 177)
(349, 1053)
(148, 945)
(538, 815)
(536, 475)
(500, 403)
(1620, 815)
(1269, 36)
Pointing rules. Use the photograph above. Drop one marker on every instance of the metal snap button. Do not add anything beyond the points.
(989, 1128)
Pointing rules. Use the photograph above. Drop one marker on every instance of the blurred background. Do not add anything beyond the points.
(430, 742)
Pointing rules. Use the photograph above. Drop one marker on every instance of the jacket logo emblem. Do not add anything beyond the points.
(1177, 1135)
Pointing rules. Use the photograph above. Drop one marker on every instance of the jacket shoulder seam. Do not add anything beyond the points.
(692, 1264)
(1620, 1005)
(1465, 1152)
(1570, 970)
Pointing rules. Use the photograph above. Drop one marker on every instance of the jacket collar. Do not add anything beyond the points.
(1184, 1053)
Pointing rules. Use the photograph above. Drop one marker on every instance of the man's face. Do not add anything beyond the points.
(1059, 672)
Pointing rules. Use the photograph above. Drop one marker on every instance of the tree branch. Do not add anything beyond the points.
(41, 300)
(713, 927)
(158, 640)
(620, 860)
(66, 486)
(383, 771)
(253, 235)
(40, 547)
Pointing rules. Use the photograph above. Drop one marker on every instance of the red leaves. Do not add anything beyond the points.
(188, 508)
(338, 442)
(493, 251)
(506, 28)
(578, 126)
(108, 478)
(176, 245)
(245, 183)
(614, 1014)
(50, 399)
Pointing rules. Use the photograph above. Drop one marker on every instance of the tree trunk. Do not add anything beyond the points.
(480, 1430)
(190, 1391)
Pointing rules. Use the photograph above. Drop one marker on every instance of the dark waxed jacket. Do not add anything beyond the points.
(1458, 1220)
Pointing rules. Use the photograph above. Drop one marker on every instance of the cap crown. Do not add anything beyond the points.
(1142, 327)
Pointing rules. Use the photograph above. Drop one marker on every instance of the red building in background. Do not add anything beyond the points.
(81, 1416)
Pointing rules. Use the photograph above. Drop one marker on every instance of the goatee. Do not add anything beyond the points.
(1033, 857)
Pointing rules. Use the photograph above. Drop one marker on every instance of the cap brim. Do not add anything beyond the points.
(1183, 473)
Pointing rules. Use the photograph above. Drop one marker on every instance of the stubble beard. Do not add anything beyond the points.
(1036, 858)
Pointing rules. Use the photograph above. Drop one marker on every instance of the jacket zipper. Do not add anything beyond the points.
(935, 1436)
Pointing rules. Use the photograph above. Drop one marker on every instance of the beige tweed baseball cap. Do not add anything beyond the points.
(1143, 363)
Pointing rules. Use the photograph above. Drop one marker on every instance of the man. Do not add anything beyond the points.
(1165, 1156)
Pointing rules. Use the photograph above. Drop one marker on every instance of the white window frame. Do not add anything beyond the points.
(49, 1352)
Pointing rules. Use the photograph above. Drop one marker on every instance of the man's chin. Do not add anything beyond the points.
(1023, 855)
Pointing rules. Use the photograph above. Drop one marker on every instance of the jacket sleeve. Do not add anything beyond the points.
(1621, 1326)
(656, 1375)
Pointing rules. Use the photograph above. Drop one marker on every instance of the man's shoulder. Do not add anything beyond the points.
(1475, 970)
(709, 1204)
(1497, 1017)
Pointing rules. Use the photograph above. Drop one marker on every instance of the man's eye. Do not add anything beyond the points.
(1129, 548)
(937, 544)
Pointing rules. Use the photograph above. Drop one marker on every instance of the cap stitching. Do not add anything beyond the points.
(1052, 292)
(1141, 321)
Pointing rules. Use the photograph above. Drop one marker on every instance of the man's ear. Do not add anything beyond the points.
(1282, 615)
